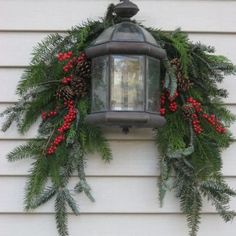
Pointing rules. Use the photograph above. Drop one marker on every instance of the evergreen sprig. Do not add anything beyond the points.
(198, 172)
(61, 212)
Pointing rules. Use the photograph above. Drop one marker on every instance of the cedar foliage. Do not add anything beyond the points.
(194, 161)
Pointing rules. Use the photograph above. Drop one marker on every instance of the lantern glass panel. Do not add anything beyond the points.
(128, 32)
(105, 36)
(100, 73)
(153, 84)
(148, 37)
(127, 83)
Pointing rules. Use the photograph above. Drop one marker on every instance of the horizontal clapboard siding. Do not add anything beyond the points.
(137, 158)
(113, 195)
(114, 224)
(126, 190)
(20, 56)
(213, 16)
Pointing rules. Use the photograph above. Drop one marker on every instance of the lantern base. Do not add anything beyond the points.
(126, 119)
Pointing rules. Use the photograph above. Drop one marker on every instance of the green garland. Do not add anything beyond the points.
(55, 86)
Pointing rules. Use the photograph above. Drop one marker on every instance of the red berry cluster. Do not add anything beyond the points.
(210, 118)
(195, 116)
(81, 58)
(66, 80)
(68, 120)
(196, 105)
(67, 56)
(172, 103)
(46, 115)
(70, 64)
(72, 61)
(163, 101)
(162, 111)
(53, 147)
(196, 124)
(215, 123)
(173, 106)
(64, 56)
(173, 98)
(69, 117)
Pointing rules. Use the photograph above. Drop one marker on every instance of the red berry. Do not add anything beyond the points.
(190, 99)
(44, 115)
(162, 111)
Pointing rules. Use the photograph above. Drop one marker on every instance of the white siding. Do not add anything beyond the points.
(206, 16)
(125, 190)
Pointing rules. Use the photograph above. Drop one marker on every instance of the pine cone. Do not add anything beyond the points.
(65, 93)
(84, 69)
(79, 86)
(188, 110)
(183, 83)
(176, 62)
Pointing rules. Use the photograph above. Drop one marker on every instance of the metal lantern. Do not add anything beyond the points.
(125, 74)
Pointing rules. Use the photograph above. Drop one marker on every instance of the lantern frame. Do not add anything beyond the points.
(126, 39)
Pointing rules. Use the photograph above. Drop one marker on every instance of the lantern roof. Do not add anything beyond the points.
(125, 37)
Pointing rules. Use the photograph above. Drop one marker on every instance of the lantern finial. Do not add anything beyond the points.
(126, 9)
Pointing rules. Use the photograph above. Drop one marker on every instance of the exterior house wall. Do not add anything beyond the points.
(125, 190)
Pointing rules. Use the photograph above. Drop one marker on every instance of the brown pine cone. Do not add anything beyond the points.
(79, 86)
(65, 93)
(188, 110)
(84, 69)
(184, 83)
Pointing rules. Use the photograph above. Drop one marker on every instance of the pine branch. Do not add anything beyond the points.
(219, 193)
(11, 117)
(62, 164)
(182, 47)
(191, 204)
(43, 54)
(15, 112)
(61, 213)
(95, 141)
(82, 186)
(187, 191)
(29, 150)
(163, 183)
(110, 16)
(69, 166)
(36, 181)
(34, 109)
(44, 197)
(71, 202)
